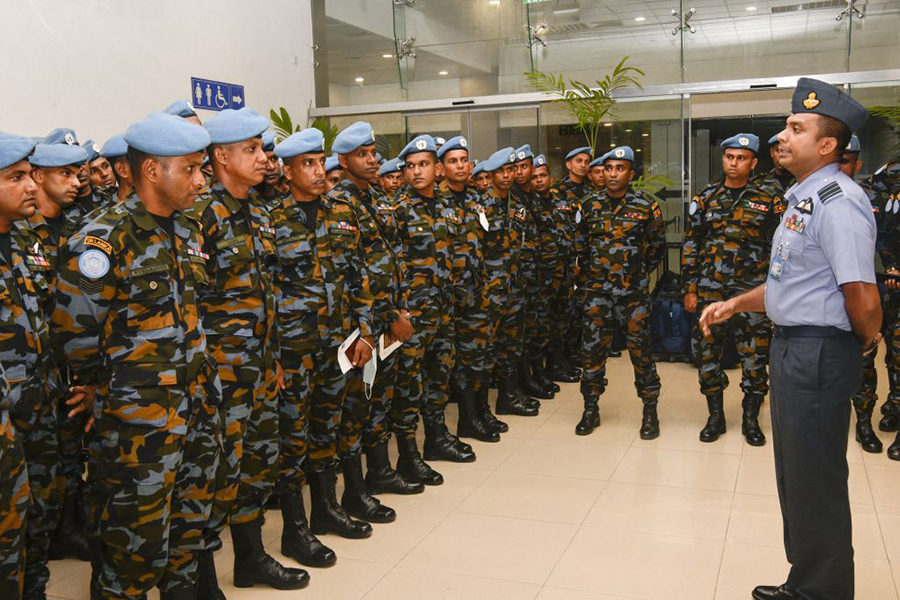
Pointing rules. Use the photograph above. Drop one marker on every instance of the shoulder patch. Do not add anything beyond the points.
(830, 191)
(93, 264)
(97, 242)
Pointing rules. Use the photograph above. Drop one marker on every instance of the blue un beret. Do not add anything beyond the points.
(773, 140)
(181, 108)
(268, 139)
(161, 134)
(358, 134)
(395, 165)
(422, 143)
(13, 149)
(500, 158)
(114, 147)
(232, 126)
(853, 146)
(332, 163)
(308, 141)
(597, 162)
(524, 152)
(454, 143)
(577, 151)
(61, 135)
(818, 97)
(742, 141)
(57, 155)
(540, 161)
(478, 168)
(620, 153)
(93, 150)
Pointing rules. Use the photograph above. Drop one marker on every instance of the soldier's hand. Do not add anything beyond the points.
(82, 400)
(362, 353)
(716, 312)
(690, 302)
(891, 283)
(279, 376)
(402, 328)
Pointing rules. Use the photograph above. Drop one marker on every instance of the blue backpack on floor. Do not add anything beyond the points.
(670, 322)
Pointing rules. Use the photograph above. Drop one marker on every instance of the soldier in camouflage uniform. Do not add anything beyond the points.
(25, 408)
(115, 151)
(471, 304)
(375, 219)
(323, 292)
(424, 247)
(621, 240)
(778, 180)
(482, 179)
(597, 175)
(268, 190)
(390, 176)
(239, 315)
(726, 249)
(128, 320)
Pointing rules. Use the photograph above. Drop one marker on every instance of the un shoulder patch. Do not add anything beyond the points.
(93, 264)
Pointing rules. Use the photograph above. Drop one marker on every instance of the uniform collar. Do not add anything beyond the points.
(141, 216)
(814, 182)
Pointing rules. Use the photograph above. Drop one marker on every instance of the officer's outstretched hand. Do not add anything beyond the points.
(402, 328)
(715, 313)
(362, 352)
(82, 400)
(890, 282)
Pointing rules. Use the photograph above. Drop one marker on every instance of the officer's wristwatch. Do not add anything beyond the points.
(870, 347)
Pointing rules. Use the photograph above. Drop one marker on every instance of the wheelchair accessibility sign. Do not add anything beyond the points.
(216, 95)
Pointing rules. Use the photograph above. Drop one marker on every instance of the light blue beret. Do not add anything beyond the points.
(93, 150)
(303, 142)
(577, 151)
(57, 155)
(524, 152)
(379, 158)
(114, 147)
(773, 140)
(268, 139)
(500, 158)
(742, 141)
(61, 135)
(620, 153)
(358, 134)
(232, 126)
(597, 162)
(332, 163)
(395, 165)
(853, 146)
(13, 149)
(540, 161)
(454, 143)
(181, 108)
(478, 168)
(439, 141)
(422, 143)
(162, 134)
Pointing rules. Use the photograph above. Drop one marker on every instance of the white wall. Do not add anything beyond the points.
(99, 65)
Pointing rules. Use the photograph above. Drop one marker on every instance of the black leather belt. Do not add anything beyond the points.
(810, 331)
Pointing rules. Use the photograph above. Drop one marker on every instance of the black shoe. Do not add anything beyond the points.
(650, 422)
(893, 452)
(750, 421)
(559, 370)
(529, 385)
(68, 540)
(540, 375)
(771, 592)
(207, 580)
(864, 434)
(297, 541)
(327, 516)
(180, 594)
(381, 478)
(440, 444)
(615, 353)
(483, 410)
(590, 419)
(889, 423)
(412, 467)
(715, 425)
(469, 425)
(253, 566)
(509, 404)
(357, 500)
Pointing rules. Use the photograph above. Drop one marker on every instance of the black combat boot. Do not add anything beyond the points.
(773, 592)
(557, 369)
(297, 541)
(889, 420)
(750, 421)
(483, 410)
(381, 478)
(864, 434)
(507, 401)
(529, 385)
(440, 444)
(715, 425)
(207, 580)
(516, 390)
(327, 516)
(893, 452)
(590, 418)
(179, 594)
(253, 566)
(540, 375)
(650, 421)
(357, 500)
(469, 425)
(412, 467)
(68, 539)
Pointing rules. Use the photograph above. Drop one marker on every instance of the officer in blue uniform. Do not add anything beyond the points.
(822, 297)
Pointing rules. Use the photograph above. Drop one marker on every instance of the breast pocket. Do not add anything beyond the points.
(233, 257)
(150, 303)
(421, 246)
(295, 256)
(753, 223)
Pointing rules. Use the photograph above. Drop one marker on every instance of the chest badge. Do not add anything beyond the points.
(805, 206)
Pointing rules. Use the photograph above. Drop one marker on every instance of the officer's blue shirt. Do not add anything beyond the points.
(826, 239)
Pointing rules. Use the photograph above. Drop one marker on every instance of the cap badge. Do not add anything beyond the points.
(463, 142)
(70, 139)
(620, 153)
(512, 157)
(522, 155)
(744, 141)
(811, 101)
(421, 145)
(96, 148)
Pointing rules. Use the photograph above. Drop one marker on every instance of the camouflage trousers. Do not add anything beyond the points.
(505, 346)
(473, 326)
(865, 400)
(423, 374)
(14, 496)
(561, 307)
(37, 430)
(71, 449)
(150, 493)
(249, 467)
(377, 428)
(536, 329)
(354, 414)
(752, 333)
(632, 312)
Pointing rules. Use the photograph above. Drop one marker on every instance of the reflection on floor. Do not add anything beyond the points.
(548, 515)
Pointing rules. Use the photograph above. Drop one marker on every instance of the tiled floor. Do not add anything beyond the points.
(545, 514)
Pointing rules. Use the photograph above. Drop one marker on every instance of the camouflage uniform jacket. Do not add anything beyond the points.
(567, 199)
(728, 242)
(463, 225)
(238, 305)
(128, 314)
(503, 239)
(769, 183)
(320, 277)
(531, 233)
(619, 245)
(377, 230)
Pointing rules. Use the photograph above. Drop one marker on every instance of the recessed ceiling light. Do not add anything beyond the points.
(607, 124)
(645, 134)
(443, 73)
(638, 150)
(627, 131)
(359, 80)
(557, 147)
(612, 145)
(387, 56)
(751, 8)
(639, 19)
(494, 2)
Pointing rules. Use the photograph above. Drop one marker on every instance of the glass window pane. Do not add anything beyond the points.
(875, 42)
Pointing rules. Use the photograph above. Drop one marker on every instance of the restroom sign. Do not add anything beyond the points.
(216, 95)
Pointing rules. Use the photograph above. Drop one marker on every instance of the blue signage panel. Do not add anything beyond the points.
(216, 95)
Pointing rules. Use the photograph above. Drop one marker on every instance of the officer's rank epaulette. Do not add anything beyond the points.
(829, 191)
(756, 206)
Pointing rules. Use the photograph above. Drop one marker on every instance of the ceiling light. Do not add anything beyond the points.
(494, 2)
(359, 80)
(751, 8)
(443, 73)
(387, 56)
(607, 124)
(645, 134)
(639, 19)
(638, 150)
(627, 131)
(612, 145)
